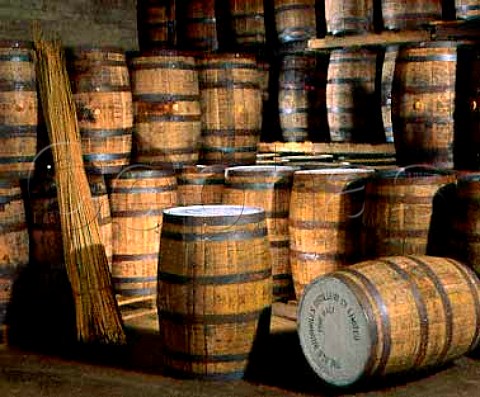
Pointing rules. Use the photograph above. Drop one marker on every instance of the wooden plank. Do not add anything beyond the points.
(468, 30)
(134, 313)
(128, 300)
(326, 148)
(370, 39)
(285, 310)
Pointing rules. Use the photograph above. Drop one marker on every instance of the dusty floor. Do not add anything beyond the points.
(280, 371)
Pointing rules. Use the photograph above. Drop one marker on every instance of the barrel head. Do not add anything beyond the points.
(334, 331)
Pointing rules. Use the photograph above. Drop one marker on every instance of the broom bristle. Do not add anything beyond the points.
(97, 314)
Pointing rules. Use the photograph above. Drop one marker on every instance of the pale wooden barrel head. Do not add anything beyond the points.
(209, 211)
(334, 331)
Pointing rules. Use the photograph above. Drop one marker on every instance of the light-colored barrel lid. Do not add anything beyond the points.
(334, 330)
(218, 210)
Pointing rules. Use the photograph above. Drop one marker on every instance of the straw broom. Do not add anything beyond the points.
(97, 315)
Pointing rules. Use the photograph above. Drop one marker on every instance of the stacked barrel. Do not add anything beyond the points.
(18, 137)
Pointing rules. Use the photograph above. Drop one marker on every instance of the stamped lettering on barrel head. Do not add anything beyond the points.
(333, 331)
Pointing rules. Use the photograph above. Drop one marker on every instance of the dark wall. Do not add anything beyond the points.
(76, 22)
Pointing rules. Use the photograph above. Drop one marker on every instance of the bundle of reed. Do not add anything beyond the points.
(97, 314)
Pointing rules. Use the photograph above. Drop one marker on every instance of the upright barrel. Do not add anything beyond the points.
(465, 235)
(138, 197)
(18, 110)
(353, 114)
(44, 223)
(103, 99)
(7, 279)
(200, 184)
(425, 103)
(466, 150)
(214, 289)
(248, 23)
(156, 21)
(389, 315)
(295, 20)
(348, 16)
(198, 26)
(166, 109)
(399, 211)
(14, 244)
(231, 102)
(325, 222)
(268, 187)
(467, 9)
(302, 97)
(410, 14)
(388, 72)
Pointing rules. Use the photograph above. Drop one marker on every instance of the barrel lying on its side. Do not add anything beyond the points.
(389, 315)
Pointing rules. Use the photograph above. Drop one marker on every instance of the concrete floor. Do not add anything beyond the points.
(280, 371)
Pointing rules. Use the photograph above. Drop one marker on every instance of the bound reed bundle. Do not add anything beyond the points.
(97, 315)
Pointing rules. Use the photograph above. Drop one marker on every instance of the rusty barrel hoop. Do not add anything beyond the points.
(214, 289)
(390, 315)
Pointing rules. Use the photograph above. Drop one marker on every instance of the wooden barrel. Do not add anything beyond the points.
(156, 24)
(214, 289)
(388, 71)
(467, 9)
(465, 235)
(389, 315)
(231, 102)
(302, 96)
(399, 211)
(410, 14)
(7, 278)
(18, 110)
(325, 221)
(198, 26)
(200, 184)
(45, 220)
(103, 99)
(351, 96)
(466, 149)
(424, 103)
(267, 187)
(348, 16)
(137, 198)
(167, 109)
(247, 22)
(295, 20)
(14, 245)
